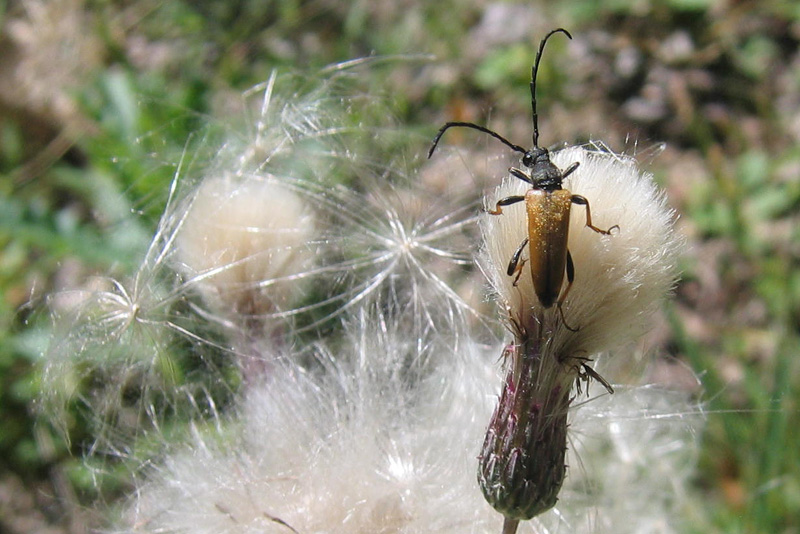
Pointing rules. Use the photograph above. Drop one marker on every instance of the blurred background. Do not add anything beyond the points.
(98, 100)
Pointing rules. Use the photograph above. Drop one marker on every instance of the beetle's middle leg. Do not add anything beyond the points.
(577, 199)
(560, 301)
(515, 265)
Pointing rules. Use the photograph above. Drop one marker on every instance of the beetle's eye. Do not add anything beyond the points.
(527, 159)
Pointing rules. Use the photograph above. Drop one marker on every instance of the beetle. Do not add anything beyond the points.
(547, 205)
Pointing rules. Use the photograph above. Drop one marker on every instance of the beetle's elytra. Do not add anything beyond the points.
(547, 206)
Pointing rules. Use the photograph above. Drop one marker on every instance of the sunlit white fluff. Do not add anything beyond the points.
(243, 239)
(382, 235)
(269, 237)
(619, 278)
(365, 443)
(119, 331)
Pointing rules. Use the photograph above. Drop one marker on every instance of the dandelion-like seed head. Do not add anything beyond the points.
(243, 240)
(292, 224)
(380, 435)
(305, 222)
(416, 247)
(619, 278)
(377, 436)
(110, 338)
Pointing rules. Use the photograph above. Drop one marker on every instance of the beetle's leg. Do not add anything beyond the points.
(577, 199)
(509, 351)
(515, 265)
(564, 319)
(570, 276)
(570, 170)
(570, 279)
(588, 372)
(505, 202)
(516, 173)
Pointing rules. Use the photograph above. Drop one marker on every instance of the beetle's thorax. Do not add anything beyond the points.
(543, 173)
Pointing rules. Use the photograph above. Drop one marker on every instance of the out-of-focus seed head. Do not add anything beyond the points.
(372, 442)
(243, 240)
(296, 219)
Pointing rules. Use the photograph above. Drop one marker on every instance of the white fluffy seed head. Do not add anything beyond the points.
(619, 278)
(368, 441)
(242, 240)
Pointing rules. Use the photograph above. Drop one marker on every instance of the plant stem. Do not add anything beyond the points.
(510, 526)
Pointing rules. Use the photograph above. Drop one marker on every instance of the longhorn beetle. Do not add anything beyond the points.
(547, 204)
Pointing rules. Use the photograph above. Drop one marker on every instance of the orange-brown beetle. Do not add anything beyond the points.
(548, 207)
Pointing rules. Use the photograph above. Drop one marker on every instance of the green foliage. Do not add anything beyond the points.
(752, 419)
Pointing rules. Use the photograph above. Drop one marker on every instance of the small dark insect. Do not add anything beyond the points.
(548, 208)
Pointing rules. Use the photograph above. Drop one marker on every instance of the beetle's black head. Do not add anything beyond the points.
(543, 173)
(536, 156)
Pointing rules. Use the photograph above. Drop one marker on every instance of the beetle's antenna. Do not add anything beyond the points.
(534, 72)
(494, 134)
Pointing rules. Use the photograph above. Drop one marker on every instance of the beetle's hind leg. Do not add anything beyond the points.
(577, 199)
(560, 301)
(587, 372)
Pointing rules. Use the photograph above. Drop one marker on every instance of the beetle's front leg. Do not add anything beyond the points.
(577, 199)
(517, 173)
(569, 170)
(505, 202)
